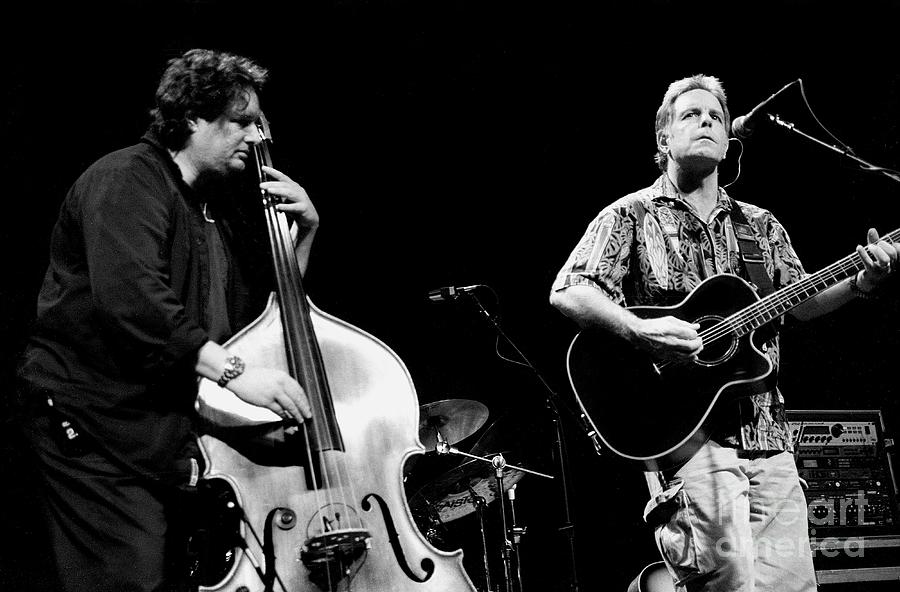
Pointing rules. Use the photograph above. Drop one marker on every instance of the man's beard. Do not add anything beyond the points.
(212, 184)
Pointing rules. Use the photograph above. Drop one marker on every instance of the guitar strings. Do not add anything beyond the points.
(782, 300)
(736, 323)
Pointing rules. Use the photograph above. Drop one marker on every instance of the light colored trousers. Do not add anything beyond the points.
(736, 522)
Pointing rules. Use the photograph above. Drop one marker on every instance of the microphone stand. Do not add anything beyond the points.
(553, 403)
(499, 463)
(517, 531)
(479, 503)
(866, 165)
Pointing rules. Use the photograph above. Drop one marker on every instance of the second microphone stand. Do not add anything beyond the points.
(553, 405)
(500, 465)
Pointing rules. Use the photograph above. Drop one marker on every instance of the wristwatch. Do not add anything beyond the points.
(234, 367)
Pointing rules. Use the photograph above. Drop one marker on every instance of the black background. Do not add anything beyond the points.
(453, 143)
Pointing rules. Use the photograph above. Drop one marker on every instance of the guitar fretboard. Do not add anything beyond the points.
(780, 302)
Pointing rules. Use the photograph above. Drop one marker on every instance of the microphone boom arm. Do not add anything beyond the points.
(491, 458)
(866, 165)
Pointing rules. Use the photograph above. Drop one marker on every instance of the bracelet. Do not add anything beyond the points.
(857, 291)
(234, 367)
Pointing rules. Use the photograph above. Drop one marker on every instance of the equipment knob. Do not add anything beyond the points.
(836, 430)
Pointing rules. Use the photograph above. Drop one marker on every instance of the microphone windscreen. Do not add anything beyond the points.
(740, 128)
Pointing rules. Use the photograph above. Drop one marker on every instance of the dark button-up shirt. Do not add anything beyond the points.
(651, 248)
(121, 312)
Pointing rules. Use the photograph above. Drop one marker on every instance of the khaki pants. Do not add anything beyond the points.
(734, 520)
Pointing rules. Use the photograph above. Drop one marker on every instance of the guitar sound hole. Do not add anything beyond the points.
(715, 350)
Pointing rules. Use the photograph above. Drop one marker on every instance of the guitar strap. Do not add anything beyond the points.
(754, 263)
(751, 254)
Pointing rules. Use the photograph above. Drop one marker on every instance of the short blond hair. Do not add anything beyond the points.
(664, 114)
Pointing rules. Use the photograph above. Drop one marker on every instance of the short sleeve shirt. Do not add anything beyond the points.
(652, 248)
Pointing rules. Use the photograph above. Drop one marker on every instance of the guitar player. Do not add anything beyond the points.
(733, 517)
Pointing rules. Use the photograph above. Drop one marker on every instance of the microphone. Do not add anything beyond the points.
(450, 292)
(742, 126)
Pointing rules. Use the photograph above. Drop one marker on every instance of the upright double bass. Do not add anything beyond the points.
(318, 506)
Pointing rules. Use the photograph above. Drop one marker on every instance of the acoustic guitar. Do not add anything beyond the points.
(653, 578)
(656, 414)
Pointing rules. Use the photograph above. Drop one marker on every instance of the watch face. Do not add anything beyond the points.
(234, 367)
(236, 364)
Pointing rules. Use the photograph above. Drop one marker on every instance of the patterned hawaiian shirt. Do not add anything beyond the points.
(652, 248)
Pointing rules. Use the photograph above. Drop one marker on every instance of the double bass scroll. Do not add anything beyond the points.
(321, 505)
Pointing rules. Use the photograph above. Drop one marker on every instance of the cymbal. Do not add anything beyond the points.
(450, 496)
(455, 419)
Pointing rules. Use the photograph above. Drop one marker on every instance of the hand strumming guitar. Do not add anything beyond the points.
(666, 338)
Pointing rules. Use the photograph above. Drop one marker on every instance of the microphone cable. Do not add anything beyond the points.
(740, 154)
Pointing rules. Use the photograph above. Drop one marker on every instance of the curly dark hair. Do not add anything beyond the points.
(201, 83)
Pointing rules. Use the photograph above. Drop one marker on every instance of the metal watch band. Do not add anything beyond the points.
(234, 367)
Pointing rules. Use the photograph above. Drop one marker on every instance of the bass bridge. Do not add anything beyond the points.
(330, 556)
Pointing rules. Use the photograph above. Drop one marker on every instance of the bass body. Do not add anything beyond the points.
(276, 517)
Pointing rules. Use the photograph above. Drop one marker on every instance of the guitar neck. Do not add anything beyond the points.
(780, 302)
